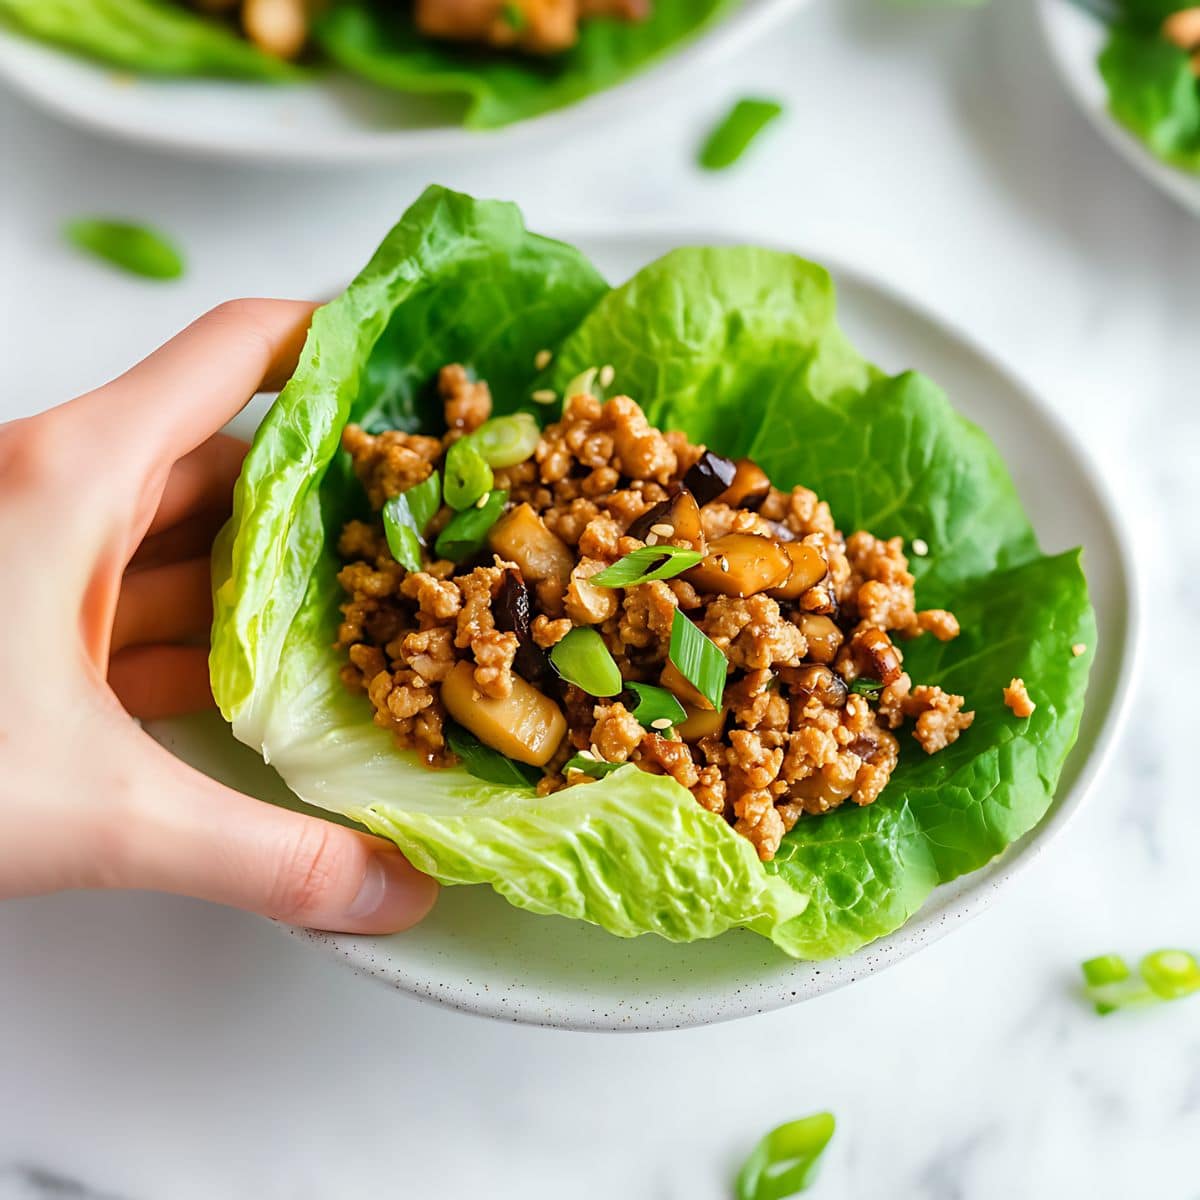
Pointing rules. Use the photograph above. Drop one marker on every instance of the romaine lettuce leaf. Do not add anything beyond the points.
(143, 35)
(740, 348)
(378, 40)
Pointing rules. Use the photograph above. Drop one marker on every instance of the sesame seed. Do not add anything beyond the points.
(661, 723)
(541, 360)
(652, 538)
(663, 530)
(920, 547)
(723, 563)
(482, 501)
(607, 375)
(596, 753)
(1079, 648)
(544, 396)
(586, 755)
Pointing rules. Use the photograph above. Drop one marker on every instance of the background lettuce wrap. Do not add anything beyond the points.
(376, 39)
(740, 348)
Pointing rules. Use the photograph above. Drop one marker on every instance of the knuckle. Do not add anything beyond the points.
(311, 868)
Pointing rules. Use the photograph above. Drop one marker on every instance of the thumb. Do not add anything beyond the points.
(190, 835)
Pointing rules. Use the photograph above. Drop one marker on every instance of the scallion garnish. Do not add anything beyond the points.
(137, 249)
(485, 763)
(583, 659)
(698, 659)
(784, 1161)
(597, 768)
(657, 708)
(647, 563)
(466, 533)
(467, 475)
(406, 517)
(739, 127)
(866, 687)
(506, 441)
(1161, 975)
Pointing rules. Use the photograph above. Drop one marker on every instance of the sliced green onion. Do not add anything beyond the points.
(1171, 974)
(406, 517)
(866, 687)
(647, 563)
(657, 708)
(466, 533)
(784, 1161)
(736, 130)
(506, 441)
(584, 384)
(137, 249)
(1105, 968)
(1163, 975)
(698, 659)
(485, 763)
(467, 475)
(597, 768)
(583, 659)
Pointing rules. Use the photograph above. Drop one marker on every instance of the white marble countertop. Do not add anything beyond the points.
(159, 1049)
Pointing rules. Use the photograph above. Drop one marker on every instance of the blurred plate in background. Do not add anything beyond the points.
(1075, 39)
(334, 119)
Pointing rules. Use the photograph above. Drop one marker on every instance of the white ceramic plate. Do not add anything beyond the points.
(479, 954)
(1075, 41)
(336, 119)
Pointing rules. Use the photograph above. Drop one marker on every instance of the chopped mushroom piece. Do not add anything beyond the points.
(1017, 698)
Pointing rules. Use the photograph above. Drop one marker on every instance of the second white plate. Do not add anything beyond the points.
(1075, 40)
(336, 119)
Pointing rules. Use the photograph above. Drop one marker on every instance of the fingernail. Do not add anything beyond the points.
(393, 894)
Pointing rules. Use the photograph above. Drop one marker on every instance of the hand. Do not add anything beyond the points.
(108, 507)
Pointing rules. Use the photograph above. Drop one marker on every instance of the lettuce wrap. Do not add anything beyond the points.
(740, 348)
(375, 39)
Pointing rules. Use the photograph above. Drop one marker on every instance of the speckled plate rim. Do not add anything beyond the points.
(22, 69)
(1075, 40)
(949, 906)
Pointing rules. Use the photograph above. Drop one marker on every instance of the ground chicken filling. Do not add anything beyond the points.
(815, 692)
(281, 27)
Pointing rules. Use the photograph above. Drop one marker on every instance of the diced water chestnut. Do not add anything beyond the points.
(701, 723)
(521, 537)
(683, 690)
(526, 725)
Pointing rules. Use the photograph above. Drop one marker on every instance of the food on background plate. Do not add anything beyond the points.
(505, 60)
(453, 507)
(602, 592)
(1151, 65)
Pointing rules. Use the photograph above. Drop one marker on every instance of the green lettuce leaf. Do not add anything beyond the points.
(143, 35)
(1154, 93)
(377, 40)
(740, 348)
(456, 280)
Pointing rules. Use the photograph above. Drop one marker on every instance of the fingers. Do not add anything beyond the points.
(180, 395)
(200, 481)
(153, 682)
(170, 603)
(196, 837)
